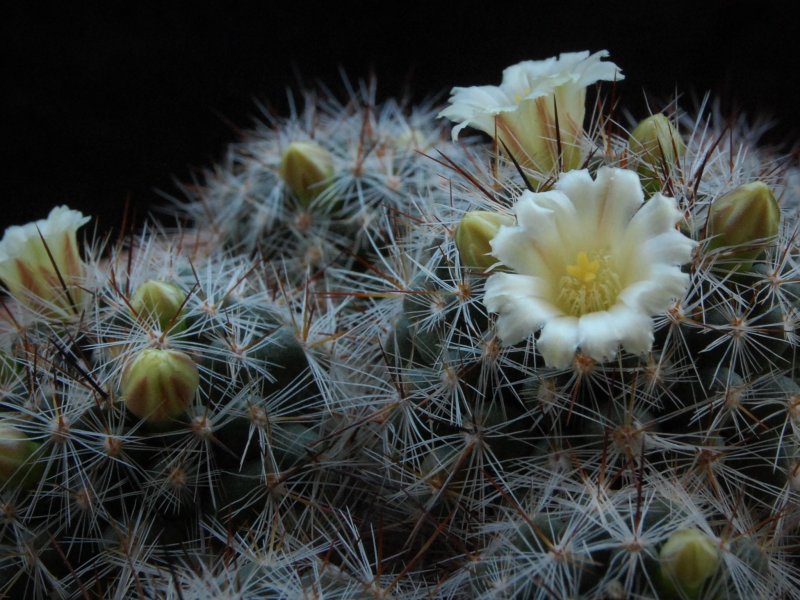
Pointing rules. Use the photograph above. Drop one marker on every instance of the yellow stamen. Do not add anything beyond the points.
(585, 270)
(590, 285)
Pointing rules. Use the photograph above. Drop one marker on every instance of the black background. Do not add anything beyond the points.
(105, 104)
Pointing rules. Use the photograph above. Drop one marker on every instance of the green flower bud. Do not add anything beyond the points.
(743, 222)
(473, 234)
(655, 140)
(17, 452)
(158, 385)
(687, 559)
(658, 145)
(305, 167)
(161, 301)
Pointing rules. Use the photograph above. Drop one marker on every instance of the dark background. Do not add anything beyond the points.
(105, 104)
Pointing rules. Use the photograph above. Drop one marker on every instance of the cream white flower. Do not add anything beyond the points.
(31, 275)
(521, 112)
(592, 264)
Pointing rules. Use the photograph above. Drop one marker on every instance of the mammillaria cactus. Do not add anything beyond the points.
(378, 362)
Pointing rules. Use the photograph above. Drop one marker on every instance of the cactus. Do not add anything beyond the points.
(378, 362)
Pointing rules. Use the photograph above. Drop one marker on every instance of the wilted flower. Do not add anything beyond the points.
(592, 265)
(537, 110)
(40, 263)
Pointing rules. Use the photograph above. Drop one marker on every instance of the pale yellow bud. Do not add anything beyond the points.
(658, 146)
(687, 559)
(744, 222)
(159, 300)
(158, 385)
(474, 234)
(305, 168)
(656, 141)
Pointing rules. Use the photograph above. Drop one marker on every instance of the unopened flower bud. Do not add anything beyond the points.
(159, 300)
(655, 140)
(743, 222)
(17, 451)
(158, 385)
(305, 168)
(657, 144)
(473, 234)
(40, 263)
(687, 559)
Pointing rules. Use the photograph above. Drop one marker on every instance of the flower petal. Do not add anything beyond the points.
(534, 78)
(635, 329)
(544, 221)
(670, 247)
(651, 237)
(558, 341)
(578, 186)
(616, 196)
(601, 333)
(476, 107)
(654, 294)
(598, 335)
(658, 214)
(546, 215)
(519, 301)
(587, 69)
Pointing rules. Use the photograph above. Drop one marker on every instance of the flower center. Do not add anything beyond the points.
(590, 285)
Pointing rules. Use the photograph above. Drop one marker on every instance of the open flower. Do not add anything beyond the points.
(533, 96)
(40, 263)
(592, 264)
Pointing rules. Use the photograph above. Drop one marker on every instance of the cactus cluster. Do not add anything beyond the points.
(315, 386)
